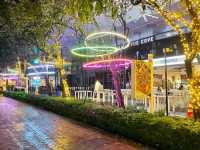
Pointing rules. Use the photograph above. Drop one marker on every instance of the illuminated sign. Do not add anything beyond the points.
(142, 41)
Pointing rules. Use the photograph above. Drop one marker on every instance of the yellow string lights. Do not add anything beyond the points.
(195, 91)
(60, 65)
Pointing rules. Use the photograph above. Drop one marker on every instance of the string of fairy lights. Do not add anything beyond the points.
(195, 91)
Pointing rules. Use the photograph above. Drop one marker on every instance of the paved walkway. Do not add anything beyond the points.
(24, 127)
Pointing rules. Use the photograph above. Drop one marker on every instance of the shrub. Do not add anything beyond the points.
(155, 130)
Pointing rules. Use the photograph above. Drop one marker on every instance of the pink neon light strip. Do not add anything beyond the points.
(107, 63)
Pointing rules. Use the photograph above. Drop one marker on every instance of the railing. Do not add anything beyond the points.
(177, 101)
(104, 96)
(82, 94)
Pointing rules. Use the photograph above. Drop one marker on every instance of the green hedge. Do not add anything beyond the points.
(165, 133)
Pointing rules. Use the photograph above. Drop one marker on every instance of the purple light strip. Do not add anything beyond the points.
(119, 63)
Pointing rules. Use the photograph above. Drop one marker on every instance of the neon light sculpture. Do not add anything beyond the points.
(93, 52)
(93, 48)
(115, 66)
(97, 50)
(98, 35)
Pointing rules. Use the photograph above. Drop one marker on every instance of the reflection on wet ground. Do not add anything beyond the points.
(24, 127)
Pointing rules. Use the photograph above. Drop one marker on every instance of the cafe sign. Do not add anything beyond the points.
(142, 41)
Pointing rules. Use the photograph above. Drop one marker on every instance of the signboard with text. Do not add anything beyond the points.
(142, 41)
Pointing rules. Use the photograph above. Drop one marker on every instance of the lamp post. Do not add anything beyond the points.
(165, 51)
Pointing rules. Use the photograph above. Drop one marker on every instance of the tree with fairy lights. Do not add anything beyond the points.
(184, 15)
(59, 63)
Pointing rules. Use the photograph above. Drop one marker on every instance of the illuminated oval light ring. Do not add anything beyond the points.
(105, 50)
(103, 34)
(103, 64)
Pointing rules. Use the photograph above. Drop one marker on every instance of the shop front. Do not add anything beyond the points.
(176, 72)
(12, 82)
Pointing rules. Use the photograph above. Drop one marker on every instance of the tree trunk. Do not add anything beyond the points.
(196, 114)
(194, 84)
(188, 65)
(48, 85)
(195, 95)
(61, 84)
(62, 88)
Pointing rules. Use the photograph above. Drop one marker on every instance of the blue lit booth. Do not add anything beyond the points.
(42, 79)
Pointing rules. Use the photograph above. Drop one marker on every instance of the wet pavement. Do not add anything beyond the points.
(25, 127)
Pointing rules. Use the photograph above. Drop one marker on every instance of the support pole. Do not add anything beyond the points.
(166, 87)
(151, 99)
(116, 82)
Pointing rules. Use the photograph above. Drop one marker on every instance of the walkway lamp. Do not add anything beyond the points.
(165, 51)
